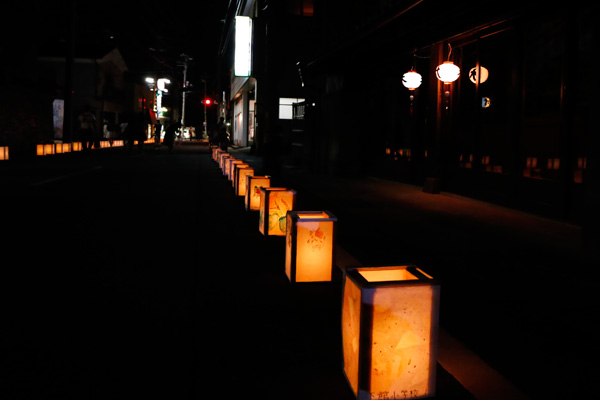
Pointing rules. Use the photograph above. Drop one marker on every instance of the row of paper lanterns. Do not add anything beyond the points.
(45, 149)
(389, 314)
(446, 72)
(60, 148)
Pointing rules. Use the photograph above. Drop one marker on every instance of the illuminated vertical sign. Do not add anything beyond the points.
(243, 46)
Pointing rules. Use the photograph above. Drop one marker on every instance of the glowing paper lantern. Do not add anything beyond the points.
(389, 331)
(223, 161)
(227, 165)
(253, 185)
(310, 239)
(411, 80)
(447, 72)
(3, 152)
(231, 168)
(77, 146)
(273, 208)
(240, 180)
(473, 74)
(235, 171)
(220, 157)
(215, 153)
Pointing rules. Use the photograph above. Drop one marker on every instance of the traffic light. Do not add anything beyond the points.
(208, 102)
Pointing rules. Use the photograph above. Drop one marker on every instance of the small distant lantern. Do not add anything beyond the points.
(273, 207)
(240, 180)
(473, 74)
(232, 168)
(223, 162)
(253, 185)
(389, 331)
(235, 171)
(3, 152)
(215, 153)
(220, 157)
(447, 72)
(227, 166)
(412, 80)
(310, 240)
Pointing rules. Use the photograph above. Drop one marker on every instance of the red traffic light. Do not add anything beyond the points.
(208, 102)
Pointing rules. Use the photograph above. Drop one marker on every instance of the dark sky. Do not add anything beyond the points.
(163, 29)
(143, 31)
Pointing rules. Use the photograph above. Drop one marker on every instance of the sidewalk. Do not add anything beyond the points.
(514, 285)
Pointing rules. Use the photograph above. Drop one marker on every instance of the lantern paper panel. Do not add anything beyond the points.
(253, 185)
(227, 166)
(310, 240)
(389, 332)
(231, 169)
(223, 162)
(273, 207)
(235, 170)
(220, 155)
(240, 180)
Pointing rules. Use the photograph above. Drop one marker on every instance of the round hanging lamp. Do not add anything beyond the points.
(473, 74)
(411, 80)
(447, 72)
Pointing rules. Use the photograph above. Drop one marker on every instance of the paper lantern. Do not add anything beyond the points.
(3, 152)
(227, 165)
(411, 80)
(310, 239)
(220, 156)
(45, 149)
(235, 171)
(231, 168)
(447, 72)
(223, 161)
(253, 185)
(273, 207)
(389, 331)
(215, 153)
(473, 74)
(77, 146)
(240, 180)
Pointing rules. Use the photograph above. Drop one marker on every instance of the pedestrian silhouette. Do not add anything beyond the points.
(87, 125)
(170, 133)
(222, 135)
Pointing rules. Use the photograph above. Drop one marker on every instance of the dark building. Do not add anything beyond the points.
(522, 138)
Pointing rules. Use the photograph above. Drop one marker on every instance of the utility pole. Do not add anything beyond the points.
(205, 130)
(186, 60)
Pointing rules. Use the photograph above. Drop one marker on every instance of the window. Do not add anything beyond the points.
(285, 107)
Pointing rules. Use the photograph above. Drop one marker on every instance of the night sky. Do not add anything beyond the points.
(153, 30)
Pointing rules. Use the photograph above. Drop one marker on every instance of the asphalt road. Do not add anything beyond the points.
(142, 276)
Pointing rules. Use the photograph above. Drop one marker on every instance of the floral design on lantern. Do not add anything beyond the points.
(253, 185)
(310, 246)
(274, 205)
